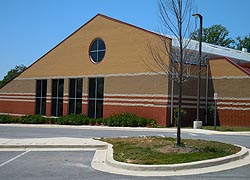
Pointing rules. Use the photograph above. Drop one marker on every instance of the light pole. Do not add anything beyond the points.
(197, 122)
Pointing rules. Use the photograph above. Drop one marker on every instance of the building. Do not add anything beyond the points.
(105, 68)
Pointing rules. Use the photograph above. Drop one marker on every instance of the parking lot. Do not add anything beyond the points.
(45, 165)
(76, 165)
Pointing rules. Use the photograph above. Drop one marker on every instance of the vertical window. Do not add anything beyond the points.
(57, 97)
(75, 96)
(95, 98)
(41, 91)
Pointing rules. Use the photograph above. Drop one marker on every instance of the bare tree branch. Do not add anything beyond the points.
(175, 60)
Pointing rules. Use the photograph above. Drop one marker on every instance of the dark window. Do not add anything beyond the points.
(97, 50)
(41, 91)
(95, 98)
(57, 97)
(75, 96)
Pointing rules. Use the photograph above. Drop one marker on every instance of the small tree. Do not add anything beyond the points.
(183, 115)
(175, 61)
(13, 73)
(216, 34)
(243, 43)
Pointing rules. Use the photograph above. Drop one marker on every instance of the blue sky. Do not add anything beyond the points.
(30, 28)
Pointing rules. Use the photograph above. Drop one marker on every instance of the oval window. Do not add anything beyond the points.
(97, 50)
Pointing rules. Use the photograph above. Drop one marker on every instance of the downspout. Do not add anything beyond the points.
(207, 86)
(172, 97)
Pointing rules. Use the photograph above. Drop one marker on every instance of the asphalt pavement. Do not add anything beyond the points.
(29, 135)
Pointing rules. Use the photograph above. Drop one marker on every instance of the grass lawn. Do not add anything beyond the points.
(159, 150)
(227, 128)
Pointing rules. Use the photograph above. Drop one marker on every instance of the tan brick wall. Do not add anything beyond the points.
(145, 84)
(235, 88)
(20, 86)
(223, 67)
(126, 52)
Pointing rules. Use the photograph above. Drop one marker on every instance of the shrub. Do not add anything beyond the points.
(151, 122)
(5, 119)
(99, 121)
(92, 121)
(131, 120)
(52, 120)
(110, 121)
(142, 122)
(105, 121)
(120, 120)
(73, 119)
(15, 120)
(33, 119)
(126, 120)
(85, 121)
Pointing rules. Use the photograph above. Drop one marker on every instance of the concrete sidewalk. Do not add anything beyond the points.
(51, 144)
(143, 129)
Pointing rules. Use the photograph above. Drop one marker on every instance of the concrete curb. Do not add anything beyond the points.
(174, 167)
(143, 129)
(50, 144)
(103, 161)
(51, 147)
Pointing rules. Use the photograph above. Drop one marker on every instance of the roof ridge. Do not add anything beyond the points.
(131, 25)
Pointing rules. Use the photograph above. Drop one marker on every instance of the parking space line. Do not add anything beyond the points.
(1, 165)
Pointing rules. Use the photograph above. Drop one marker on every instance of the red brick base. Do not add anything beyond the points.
(160, 114)
(234, 118)
(17, 107)
(156, 113)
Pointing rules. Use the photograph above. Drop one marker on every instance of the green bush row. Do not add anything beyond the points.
(120, 120)
(129, 120)
(30, 119)
(7, 119)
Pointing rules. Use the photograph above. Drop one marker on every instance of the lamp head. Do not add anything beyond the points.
(197, 15)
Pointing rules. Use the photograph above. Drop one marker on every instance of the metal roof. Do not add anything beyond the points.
(215, 50)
